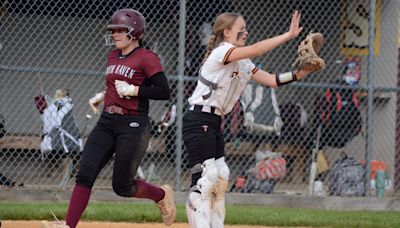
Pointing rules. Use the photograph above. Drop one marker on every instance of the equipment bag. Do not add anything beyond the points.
(346, 177)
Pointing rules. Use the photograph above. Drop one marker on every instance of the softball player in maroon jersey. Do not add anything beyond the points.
(226, 70)
(133, 76)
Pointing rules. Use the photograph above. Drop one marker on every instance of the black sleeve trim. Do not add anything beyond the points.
(228, 53)
(159, 89)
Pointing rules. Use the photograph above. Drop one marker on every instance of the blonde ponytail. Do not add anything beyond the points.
(210, 47)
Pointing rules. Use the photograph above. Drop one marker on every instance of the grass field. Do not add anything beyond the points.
(250, 215)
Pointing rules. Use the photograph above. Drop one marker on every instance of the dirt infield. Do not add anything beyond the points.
(36, 224)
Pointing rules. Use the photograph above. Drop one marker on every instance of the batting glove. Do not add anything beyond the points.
(125, 89)
(95, 101)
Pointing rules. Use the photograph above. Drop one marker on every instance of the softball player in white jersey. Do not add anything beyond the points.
(223, 76)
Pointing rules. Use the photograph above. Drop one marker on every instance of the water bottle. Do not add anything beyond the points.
(380, 183)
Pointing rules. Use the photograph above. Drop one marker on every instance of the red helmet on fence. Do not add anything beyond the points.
(129, 19)
(41, 104)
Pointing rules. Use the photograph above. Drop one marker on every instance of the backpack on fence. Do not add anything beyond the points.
(346, 177)
(340, 116)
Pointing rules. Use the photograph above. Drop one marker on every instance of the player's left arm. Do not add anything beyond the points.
(275, 80)
(159, 89)
(152, 68)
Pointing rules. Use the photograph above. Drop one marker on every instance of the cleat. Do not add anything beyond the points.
(167, 205)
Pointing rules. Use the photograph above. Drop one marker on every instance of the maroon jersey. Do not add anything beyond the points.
(134, 68)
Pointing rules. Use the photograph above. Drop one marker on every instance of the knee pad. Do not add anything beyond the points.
(210, 170)
(223, 169)
(221, 185)
(209, 177)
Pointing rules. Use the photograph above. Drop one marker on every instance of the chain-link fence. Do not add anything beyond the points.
(53, 50)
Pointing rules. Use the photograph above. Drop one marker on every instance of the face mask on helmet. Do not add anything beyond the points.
(129, 19)
(110, 40)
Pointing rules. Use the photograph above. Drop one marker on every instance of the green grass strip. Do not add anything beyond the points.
(251, 215)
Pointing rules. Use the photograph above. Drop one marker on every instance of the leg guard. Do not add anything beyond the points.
(201, 203)
(193, 195)
(208, 178)
(193, 199)
(218, 201)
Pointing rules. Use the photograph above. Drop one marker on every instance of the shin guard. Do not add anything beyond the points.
(202, 204)
(218, 200)
(192, 201)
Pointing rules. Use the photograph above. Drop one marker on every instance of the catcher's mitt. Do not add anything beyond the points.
(308, 50)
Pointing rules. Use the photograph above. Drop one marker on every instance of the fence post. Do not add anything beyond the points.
(370, 88)
(180, 97)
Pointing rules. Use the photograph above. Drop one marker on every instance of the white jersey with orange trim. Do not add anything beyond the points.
(231, 78)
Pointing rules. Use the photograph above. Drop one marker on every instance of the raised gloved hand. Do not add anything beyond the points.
(125, 89)
(308, 51)
(95, 101)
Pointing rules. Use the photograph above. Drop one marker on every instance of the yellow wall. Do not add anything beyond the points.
(354, 27)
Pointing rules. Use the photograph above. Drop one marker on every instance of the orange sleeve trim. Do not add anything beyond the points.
(255, 69)
(224, 61)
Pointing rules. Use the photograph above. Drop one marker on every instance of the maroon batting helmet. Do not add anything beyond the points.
(129, 19)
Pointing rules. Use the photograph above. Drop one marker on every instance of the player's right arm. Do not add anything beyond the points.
(95, 101)
(267, 45)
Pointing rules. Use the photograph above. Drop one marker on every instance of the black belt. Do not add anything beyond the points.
(206, 109)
